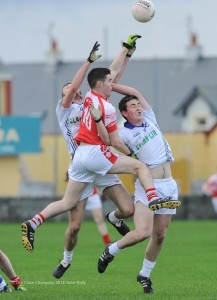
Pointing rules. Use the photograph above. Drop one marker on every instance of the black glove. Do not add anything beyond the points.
(93, 56)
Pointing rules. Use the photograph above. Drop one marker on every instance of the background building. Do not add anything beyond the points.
(182, 92)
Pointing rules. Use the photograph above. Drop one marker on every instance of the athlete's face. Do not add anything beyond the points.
(106, 86)
(134, 112)
(78, 96)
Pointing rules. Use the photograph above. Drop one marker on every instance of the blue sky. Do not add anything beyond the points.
(24, 28)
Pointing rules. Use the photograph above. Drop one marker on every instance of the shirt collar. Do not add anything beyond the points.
(98, 95)
(130, 126)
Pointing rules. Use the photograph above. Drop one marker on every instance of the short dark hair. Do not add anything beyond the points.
(64, 86)
(97, 74)
(123, 103)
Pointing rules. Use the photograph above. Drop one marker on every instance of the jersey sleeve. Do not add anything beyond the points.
(149, 114)
(110, 120)
(111, 127)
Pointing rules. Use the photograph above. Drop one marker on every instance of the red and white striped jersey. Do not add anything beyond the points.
(88, 132)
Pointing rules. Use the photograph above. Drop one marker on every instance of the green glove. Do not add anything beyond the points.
(131, 40)
(93, 56)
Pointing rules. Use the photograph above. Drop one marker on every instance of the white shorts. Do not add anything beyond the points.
(93, 202)
(100, 181)
(91, 160)
(165, 187)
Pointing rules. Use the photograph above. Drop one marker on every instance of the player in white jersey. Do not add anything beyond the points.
(68, 112)
(143, 137)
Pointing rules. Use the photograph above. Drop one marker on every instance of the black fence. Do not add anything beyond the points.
(21, 209)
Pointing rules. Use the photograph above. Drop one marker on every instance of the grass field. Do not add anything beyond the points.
(186, 268)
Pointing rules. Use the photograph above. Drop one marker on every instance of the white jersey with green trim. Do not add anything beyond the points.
(69, 121)
(147, 141)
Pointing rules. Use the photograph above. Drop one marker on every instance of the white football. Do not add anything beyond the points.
(143, 10)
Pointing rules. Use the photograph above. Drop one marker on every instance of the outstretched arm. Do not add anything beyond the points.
(126, 60)
(79, 77)
(126, 90)
(118, 76)
(118, 62)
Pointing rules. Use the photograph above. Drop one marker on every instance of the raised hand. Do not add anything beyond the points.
(93, 56)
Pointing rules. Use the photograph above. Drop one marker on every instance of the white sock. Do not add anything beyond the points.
(2, 283)
(113, 249)
(67, 256)
(112, 217)
(37, 220)
(147, 267)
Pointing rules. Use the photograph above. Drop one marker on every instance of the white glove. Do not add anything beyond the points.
(96, 113)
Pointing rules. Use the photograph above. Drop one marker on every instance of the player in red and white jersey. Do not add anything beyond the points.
(210, 188)
(88, 132)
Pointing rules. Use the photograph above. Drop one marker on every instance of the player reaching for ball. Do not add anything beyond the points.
(143, 137)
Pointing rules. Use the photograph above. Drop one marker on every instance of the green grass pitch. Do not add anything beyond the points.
(186, 267)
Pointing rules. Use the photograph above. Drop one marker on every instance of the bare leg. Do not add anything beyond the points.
(101, 225)
(143, 220)
(69, 201)
(161, 223)
(6, 266)
(128, 165)
(153, 249)
(122, 200)
(124, 207)
(75, 217)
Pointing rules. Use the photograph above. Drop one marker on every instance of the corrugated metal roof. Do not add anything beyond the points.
(208, 93)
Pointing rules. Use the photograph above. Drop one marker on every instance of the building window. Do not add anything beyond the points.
(201, 121)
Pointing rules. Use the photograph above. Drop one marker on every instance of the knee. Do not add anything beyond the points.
(67, 205)
(159, 238)
(99, 219)
(127, 212)
(73, 229)
(140, 236)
